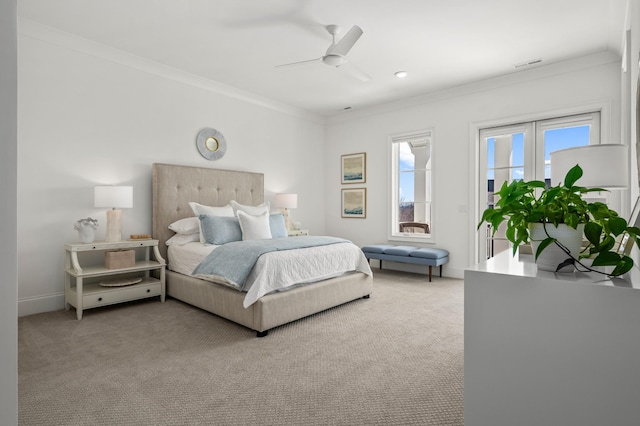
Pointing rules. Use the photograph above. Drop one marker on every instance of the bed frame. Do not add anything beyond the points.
(174, 187)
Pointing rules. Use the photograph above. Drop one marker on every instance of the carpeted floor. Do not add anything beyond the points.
(393, 359)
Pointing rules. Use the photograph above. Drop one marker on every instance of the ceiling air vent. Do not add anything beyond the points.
(528, 63)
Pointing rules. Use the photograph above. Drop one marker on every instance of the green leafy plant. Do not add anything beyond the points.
(522, 203)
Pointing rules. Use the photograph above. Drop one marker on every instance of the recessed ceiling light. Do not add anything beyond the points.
(401, 74)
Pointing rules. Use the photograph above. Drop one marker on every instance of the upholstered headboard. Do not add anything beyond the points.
(173, 187)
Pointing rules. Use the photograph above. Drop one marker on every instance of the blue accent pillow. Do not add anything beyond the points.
(219, 229)
(276, 223)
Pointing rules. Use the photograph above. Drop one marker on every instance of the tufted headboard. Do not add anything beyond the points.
(173, 187)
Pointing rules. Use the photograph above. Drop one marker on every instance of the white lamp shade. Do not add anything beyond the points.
(113, 196)
(287, 201)
(603, 166)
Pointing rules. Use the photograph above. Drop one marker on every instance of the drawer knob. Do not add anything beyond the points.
(148, 290)
(99, 299)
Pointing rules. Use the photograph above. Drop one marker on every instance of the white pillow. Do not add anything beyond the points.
(254, 227)
(182, 239)
(198, 209)
(188, 225)
(252, 210)
(224, 211)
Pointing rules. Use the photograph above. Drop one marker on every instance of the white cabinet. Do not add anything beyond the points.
(543, 348)
(298, 232)
(82, 284)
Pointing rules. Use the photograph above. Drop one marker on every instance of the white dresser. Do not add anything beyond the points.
(550, 349)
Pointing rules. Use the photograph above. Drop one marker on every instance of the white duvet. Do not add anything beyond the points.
(279, 270)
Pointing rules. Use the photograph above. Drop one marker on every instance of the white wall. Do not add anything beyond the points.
(8, 180)
(452, 113)
(91, 115)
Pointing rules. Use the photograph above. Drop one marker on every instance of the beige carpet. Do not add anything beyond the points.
(393, 359)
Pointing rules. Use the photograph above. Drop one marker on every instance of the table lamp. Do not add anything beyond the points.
(603, 166)
(285, 202)
(114, 197)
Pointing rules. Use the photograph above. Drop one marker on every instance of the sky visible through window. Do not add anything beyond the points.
(407, 162)
(555, 139)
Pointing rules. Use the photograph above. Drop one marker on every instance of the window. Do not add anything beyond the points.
(522, 151)
(411, 186)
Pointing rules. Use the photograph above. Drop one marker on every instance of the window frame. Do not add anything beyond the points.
(534, 149)
(393, 233)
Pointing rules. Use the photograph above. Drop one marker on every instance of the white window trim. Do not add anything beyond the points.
(392, 174)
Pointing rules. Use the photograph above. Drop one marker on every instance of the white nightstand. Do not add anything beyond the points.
(90, 294)
(298, 232)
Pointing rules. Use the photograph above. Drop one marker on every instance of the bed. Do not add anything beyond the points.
(173, 187)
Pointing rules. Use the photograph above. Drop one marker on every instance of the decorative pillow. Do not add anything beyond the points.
(276, 224)
(219, 229)
(188, 225)
(254, 227)
(252, 210)
(182, 239)
(198, 209)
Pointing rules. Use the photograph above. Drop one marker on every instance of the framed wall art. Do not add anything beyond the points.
(354, 168)
(354, 203)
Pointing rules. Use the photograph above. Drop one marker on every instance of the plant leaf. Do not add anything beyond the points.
(617, 225)
(625, 265)
(593, 231)
(544, 245)
(607, 258)
(566, 262)
(607, 244)
(572, 176)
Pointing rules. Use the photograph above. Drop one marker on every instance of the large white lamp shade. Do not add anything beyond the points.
(287, 201)
(114, 197)
(603, 166)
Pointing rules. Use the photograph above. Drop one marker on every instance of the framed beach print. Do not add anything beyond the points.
(354, 202)
(354, 168)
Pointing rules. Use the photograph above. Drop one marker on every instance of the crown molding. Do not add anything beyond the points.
(513, 78)
(47, 34)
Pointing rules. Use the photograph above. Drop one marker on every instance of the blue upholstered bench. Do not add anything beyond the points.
(406, 254)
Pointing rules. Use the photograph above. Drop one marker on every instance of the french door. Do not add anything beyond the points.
(522, 152)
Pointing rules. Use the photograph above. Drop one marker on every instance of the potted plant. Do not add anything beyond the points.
(536, 218)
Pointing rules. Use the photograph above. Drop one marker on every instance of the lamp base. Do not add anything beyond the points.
(287, 222)
(114, 226)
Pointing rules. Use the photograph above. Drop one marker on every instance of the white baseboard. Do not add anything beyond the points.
(39, 304)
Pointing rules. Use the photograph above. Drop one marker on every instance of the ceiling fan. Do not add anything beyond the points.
(336, 54)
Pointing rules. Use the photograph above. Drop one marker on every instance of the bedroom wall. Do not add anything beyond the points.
(91, 115)
(8, 192)
(528, 94)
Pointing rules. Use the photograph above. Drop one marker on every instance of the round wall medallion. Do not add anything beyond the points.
(211, 144)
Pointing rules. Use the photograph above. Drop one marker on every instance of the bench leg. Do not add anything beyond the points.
(440, 271)
(429, 273)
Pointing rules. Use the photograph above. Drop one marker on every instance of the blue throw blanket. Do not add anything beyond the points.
(234, 261)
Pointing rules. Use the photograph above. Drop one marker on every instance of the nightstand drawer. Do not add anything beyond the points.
(121, 294)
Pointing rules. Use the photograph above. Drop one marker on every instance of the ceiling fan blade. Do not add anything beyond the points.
(355, 71)
(293, 64)
(346, 43)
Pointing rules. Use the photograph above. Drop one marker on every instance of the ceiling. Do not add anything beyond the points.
(441, 44)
